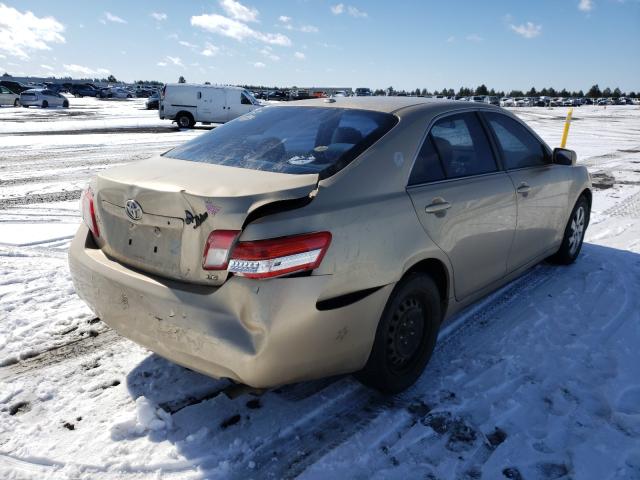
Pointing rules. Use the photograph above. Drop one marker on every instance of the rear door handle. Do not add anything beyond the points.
(438, 205)
(523, 188)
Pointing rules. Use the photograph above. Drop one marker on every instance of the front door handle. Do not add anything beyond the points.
(523, 188)
(438, 205)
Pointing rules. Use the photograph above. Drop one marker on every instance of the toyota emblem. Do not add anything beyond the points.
(133, 209)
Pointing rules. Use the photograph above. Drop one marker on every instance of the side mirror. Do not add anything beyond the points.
(564, 156)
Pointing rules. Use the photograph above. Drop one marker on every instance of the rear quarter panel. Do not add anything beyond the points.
(376, 235)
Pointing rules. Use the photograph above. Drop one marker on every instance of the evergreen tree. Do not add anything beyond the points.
(482, 90)
(182, 79)
(594, 92)
(617, 93)
(606, 92)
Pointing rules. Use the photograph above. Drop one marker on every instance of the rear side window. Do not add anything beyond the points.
(427, 167)
(289, 139)
(519, 148)
(462, 146)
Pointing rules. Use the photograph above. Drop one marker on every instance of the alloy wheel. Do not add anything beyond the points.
(577, 230)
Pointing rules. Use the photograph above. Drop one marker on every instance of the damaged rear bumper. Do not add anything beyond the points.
(259, 332)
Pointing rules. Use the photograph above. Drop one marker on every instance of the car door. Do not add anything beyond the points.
(4, 96)
(465, 203)
(542, 188)
(239, 103)
(212, 106)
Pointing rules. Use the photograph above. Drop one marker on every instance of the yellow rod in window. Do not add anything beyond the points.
(565, 133)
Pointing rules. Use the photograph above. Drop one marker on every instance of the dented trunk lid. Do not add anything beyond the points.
(180, 203)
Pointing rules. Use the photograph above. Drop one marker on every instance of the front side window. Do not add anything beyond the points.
(289, 139)
(519, 148)
(462, 146)
(244, 100)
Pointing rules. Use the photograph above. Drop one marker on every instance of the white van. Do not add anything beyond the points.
(187, 103)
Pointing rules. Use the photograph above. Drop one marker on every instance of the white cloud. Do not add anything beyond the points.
(451, 39)
(74, 69)
(354, 12)
(175, 60)
(237, 11)
(284, 19)
(113, 18)
(237, 30)
(299, 55)
(159, 16)
(210, 50)
(341, 8)
(169, 60)
(21, 33)
(527, 30)
(47, 67)
(259, 65)
(586, 5)
(309, 29)
(474, 37)
(184, 43)
(268, 53)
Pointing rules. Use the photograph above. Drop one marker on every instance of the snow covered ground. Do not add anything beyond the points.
(540, 380)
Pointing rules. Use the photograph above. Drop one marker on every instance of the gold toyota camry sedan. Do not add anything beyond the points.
(322, 237)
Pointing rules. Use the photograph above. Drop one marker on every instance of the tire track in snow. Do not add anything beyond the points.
(304, 444)
(92, 342)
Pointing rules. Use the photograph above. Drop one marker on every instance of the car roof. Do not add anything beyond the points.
(380, 104)
(203, 85)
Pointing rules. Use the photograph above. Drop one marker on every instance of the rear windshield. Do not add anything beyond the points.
(289, 139)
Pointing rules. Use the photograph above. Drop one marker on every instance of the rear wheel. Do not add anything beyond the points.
(185, 120)
(45, 104)
(65, 104)
(16, 103)
(573, 233)
(406, 335)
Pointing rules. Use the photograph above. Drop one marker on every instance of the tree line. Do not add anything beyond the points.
(593, 92)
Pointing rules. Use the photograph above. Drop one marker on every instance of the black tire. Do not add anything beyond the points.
(65, 104)
(406, 335)
(573, 233)
(25, 106)
(185, 120)
(16, 103)
(45, 104)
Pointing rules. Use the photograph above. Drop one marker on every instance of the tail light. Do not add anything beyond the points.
(89, 212)
(265, 258)
(217, 248)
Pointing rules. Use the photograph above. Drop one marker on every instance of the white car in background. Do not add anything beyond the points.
(507, 102)
(7, 97)
(43, 99)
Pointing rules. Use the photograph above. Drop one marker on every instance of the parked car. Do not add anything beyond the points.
(84, 90)
(268, 251)
(116, 92)
(15, 87)
(7, 97)
(507, 102)
(363, 92)
(153, 102)
(491, 100)
(187, 103)
(43, 99)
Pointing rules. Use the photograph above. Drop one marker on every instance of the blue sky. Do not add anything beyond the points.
(407, 44)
